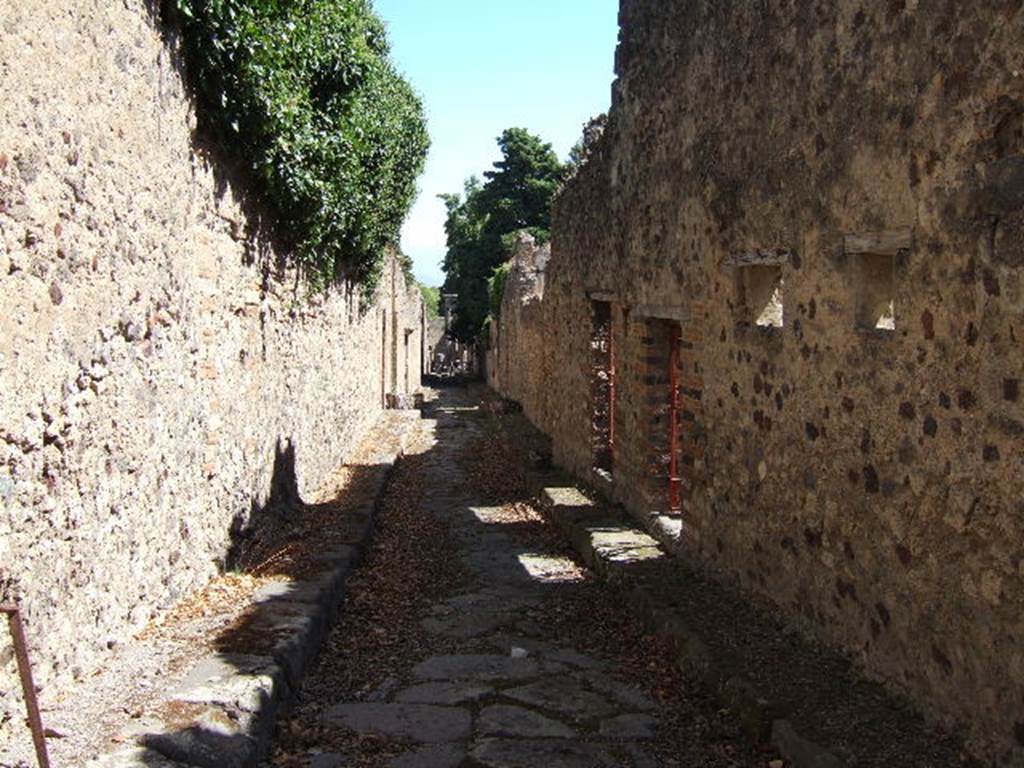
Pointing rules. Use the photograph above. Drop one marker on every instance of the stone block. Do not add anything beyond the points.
(566, 696)
(631, 727)
(423, 723)
(251, 687)
(292, 632)
(550, 753)
(517, 722)
(215, 738)
(433, 756)
(448, 694)
(476, 667)
(323, 591)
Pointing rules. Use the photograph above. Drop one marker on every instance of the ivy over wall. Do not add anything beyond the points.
(303, 92)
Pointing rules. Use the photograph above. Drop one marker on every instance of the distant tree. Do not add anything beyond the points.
(516, 196)
(432, 300)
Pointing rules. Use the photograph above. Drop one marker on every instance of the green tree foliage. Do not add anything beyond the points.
(496, 287)
(516, 196)
(432, 300)
(304, 93)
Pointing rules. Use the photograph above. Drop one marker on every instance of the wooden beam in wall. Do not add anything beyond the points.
(663, 312)
(603, 295)
(766, 258)
(887, 243)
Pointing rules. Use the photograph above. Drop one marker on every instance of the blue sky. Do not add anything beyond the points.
(482, 66)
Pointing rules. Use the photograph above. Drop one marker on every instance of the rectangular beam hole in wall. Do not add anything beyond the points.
(873, 259)
(875, 276)
(602, 400)
(759, 292)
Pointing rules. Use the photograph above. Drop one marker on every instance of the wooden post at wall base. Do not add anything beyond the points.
(35, 722)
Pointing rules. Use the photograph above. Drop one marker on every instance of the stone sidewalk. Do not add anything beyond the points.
(213, 702)
(510, 694)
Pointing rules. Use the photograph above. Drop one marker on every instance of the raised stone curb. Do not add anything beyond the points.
(222, 714)
(620, 552)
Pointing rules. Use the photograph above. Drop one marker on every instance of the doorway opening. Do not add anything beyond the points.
(602, 400)
(664, 401)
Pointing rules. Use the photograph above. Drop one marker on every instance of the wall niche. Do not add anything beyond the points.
(873, 260)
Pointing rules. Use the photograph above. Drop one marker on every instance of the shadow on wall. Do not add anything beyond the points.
(253, 533)
(302, 553)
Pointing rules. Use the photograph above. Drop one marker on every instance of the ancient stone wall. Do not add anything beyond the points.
(808, 222)
(516, 359)
(164, 379)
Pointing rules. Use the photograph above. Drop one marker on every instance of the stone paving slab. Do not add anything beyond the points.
(504, 720)
(463, 626)
(629, 727)
(542, 753)
(423, 723)
(249, 683)
(436, 756)
(537, 702)
(493, 599)
(476, 667)
(329, 760)
(627, 697)
(565, 696)
(574, 658)
(446, 693)
(800, 751)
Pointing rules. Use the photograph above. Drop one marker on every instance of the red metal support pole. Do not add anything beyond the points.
(35, 721)
(675, 482)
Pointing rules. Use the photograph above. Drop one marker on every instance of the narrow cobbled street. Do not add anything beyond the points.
(470, 637)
